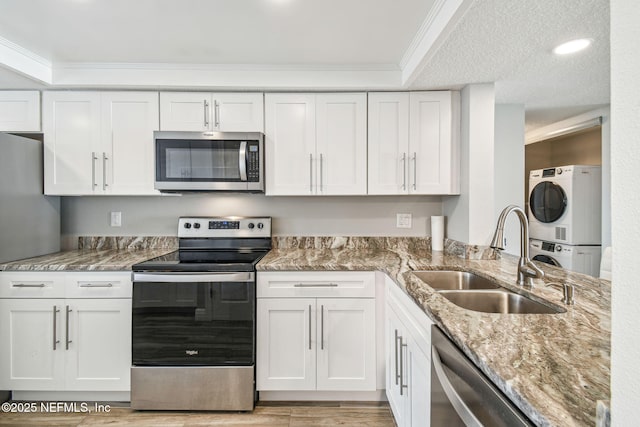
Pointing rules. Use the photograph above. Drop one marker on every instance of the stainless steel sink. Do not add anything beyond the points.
(454, 280)
(498, 301)
(473, 292)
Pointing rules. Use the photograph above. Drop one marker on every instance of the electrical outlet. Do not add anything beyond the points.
(116, 219)
(403, 220)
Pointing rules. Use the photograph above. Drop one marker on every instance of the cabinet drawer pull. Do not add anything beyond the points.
(315, 285)
(206, 114)
(68, 341)
(415, 170)
(104, 169)
(404, 171)
(94, 184)
(216, 106)
(96, 285)
(55, 334)
(28, 285)
(311, 173)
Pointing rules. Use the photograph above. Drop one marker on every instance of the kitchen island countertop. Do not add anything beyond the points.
(554, 367)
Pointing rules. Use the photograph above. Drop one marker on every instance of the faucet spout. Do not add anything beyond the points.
(527, 270)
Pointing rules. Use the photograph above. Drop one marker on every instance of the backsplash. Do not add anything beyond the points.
(451, 247)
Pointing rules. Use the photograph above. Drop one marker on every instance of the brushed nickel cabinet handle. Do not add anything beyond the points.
(315, 285)
(321, 173)
(395, 354)
(402, 385)
(216, 107)
(26, 285)
(309, 326)
(55, 321)
(96, 285)
(322, 327)
(206, 114)
(404, 171)
(415, 170)
(104, 171)
(68, 341)
(94, 184)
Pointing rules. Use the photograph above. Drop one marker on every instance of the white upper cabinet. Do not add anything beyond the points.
(128, 122)
(71, 126)
(19, 111)
(99, 142)
(414, 143)
(316, 144)
(203, 111)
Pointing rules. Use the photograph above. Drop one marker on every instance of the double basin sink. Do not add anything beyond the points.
(473, 292)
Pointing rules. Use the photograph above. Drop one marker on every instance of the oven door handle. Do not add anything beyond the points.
(192, 277)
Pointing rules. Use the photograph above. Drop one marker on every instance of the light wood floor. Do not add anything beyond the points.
(265, 414)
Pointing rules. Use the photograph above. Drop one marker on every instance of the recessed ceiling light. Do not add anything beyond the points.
(572, 46)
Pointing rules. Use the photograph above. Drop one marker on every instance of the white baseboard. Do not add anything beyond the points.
(75, 396)
(342, 396)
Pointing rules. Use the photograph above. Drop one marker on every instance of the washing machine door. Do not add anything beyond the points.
(547, 202)
(546, 260)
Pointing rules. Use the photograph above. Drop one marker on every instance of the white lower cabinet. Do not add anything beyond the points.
(65, 344)
(308, 342)
(408, 343)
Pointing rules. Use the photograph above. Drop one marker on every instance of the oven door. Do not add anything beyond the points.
(213, 161)
(187, 319)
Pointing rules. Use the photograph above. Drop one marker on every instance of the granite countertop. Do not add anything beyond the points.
(85, 260)
(554, 367)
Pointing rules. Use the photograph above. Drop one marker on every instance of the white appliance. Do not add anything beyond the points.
(581, 259)
(565, 204)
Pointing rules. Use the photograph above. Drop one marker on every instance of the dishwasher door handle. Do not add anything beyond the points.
(456, 400)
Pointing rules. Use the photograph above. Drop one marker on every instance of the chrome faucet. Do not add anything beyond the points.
(527, 270)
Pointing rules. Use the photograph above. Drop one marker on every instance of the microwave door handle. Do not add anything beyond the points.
(242, 161)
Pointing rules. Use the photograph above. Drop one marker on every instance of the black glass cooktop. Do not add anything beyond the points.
(204, 260)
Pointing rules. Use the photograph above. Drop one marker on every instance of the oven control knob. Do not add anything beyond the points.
(196, 225)
(251, 226)
(558, 248)
(260, 225)
(187, 225)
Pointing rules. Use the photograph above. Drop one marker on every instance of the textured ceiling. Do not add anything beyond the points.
(509, 42)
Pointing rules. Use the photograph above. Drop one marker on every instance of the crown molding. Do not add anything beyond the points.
(439, 23)
(25, 62)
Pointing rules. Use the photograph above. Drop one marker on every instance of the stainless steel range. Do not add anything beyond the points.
(193, 337)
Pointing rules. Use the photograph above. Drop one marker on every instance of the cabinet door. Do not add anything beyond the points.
(19, 111)
(99, 349)
(286, 344)
(419, 386)
(341, 147)
(433, 149)
(394, 332)
(128, 122)
(346, 344)
(388, 147)
(71, 126)
(238, 112)
(290, 144)
(188, 111)
(32, 349)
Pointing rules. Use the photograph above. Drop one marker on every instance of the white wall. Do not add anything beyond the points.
(337, 216)
(470, 216)
(509, 168)
(625, 205)
(606, 179)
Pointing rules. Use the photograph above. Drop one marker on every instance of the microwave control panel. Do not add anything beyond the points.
(253, 161)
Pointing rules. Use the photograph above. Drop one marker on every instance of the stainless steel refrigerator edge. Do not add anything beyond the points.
(29, 221)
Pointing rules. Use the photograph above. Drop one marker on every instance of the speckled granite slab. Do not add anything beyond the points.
(85, 260)
(554, 367)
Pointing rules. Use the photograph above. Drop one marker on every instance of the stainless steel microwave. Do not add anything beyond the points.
(209, 161)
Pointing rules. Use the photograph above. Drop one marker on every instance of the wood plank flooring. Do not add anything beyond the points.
(292, 414)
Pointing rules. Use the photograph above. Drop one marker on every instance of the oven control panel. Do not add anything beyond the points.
(224, 227)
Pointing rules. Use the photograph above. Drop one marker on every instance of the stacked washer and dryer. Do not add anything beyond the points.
(565, 212)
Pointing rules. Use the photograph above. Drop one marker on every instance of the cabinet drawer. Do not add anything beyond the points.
(99, 285)
(334, 284)
(21, 284)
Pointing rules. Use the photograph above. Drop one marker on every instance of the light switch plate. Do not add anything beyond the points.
(116, 219)
(403, 220)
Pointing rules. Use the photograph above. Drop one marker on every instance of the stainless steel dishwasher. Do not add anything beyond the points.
(461, 395)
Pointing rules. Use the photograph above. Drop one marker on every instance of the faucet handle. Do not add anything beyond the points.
(567, 291)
